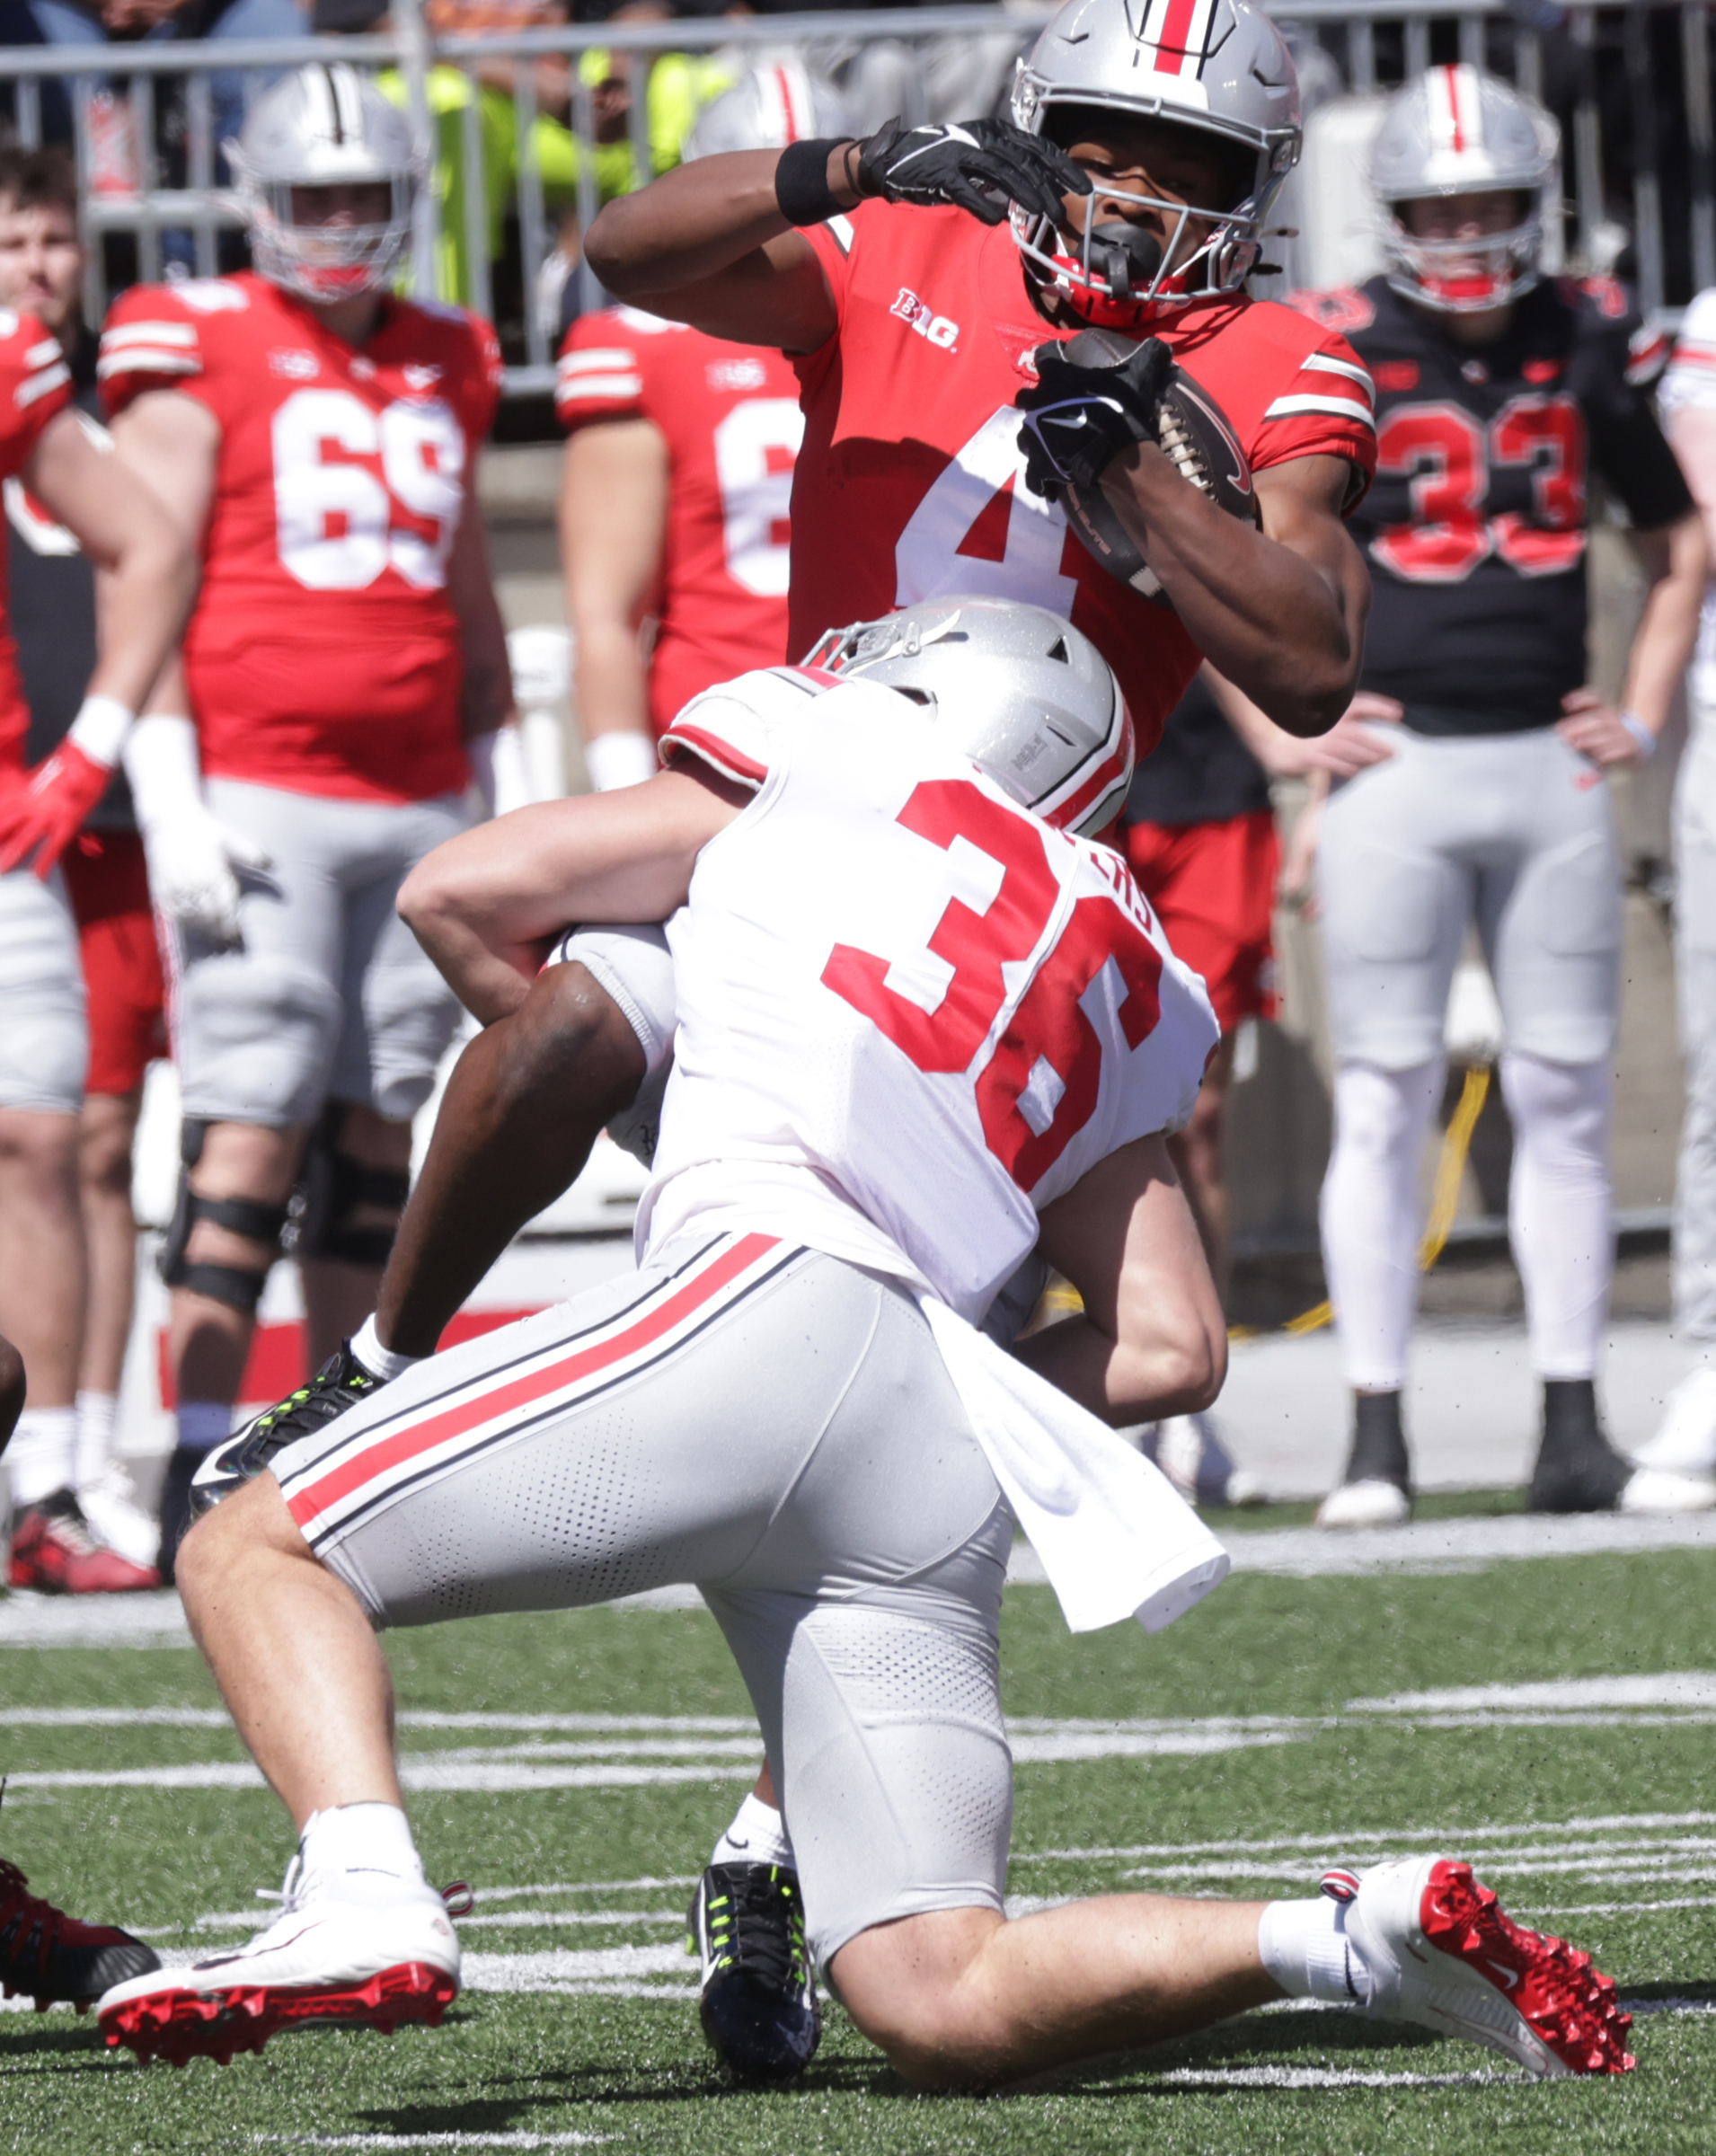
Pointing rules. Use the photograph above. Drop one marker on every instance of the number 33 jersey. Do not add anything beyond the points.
(1475, 527)
(729, 416)
(911, 1014)
(324, 655)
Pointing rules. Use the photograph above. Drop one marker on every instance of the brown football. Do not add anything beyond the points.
(1192, 431)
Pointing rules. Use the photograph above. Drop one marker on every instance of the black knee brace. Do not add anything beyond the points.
(239, 1286)
(332, 1187)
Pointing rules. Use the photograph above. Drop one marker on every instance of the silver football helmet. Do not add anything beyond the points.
(324, 125)
(1218, 67)
(1027, 697)
(778, 101)
(1457, 131)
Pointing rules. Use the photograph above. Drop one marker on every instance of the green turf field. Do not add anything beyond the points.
(1515, 1712)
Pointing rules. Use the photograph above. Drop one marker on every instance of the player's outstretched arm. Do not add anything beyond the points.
(486, 904)
(1151, 1339)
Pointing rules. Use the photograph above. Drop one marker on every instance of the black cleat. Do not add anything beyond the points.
(1577, 1469)
(758, 2007)
(340, 1383)
(50, 1957)
(1376, 1489)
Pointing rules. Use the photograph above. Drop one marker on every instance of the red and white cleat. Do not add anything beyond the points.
(1441, 1950)
(53, 1552)
(323, 1962)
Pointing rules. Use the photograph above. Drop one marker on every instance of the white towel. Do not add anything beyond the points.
(1116, 1538)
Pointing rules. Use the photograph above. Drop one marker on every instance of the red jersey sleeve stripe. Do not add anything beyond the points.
(147, 359)
(39, 384)
(1293, 408)
(730, 762)
(148, 333)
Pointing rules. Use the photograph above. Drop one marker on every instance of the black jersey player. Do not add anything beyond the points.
(1501, 397)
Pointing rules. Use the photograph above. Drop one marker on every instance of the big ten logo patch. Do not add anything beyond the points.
(942, 333)
(736, 374)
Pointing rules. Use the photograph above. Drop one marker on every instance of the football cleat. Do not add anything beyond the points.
(323, 1962)
(1439, 1949)
(1371, 1502)
(340, 1383)
(1188, 1450)
(53, 1552)
(1577, 1469)
(758, 2003)
(1376, 1489)
(1685, 1440)
(1657, 1489)
(109, 1502)
(50, 1957)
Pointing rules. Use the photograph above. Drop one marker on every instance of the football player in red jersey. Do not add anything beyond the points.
(345, 668)
(44, 1041)
(1497, 395)
(675, 486)
(86, 1499)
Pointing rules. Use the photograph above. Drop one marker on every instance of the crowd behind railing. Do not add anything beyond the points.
(532, 113)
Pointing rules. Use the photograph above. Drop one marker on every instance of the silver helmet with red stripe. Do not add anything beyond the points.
(778, 101)
(1027, 697)
(1220, 69)
(1457, 131)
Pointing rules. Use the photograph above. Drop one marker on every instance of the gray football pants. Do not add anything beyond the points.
(777, 1427)
(1695, 1265)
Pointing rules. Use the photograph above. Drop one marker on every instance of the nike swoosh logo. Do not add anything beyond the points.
(1509, 1977)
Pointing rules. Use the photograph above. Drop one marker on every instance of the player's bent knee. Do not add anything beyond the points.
(254, 1522)
(905, 1984)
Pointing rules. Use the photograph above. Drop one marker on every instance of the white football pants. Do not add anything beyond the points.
(1695, 1257)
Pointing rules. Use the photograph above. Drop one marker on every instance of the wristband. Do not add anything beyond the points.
(619, 758)
(802, 187)
(1640, 733)
(100, 729)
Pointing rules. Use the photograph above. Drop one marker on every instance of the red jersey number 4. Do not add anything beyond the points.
(1039, 1088)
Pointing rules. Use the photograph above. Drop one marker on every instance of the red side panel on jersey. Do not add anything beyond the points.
(35, 384)
(729, 414)
(324, 655)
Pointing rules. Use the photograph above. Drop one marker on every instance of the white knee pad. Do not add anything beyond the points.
(1370, 1214)
(1560, 1211)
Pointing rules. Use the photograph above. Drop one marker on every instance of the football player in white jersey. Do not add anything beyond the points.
(919, 1027)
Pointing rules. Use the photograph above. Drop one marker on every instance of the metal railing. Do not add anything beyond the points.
(1631, 84)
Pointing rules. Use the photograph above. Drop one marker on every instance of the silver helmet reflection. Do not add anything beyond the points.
(1027, 697)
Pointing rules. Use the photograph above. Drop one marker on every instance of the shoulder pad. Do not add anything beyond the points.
(210, 295)
(1344, 308)
(646, 325)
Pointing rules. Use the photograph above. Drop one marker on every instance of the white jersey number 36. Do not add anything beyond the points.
(336, 520)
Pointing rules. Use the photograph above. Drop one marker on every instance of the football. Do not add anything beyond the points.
(1193, 432)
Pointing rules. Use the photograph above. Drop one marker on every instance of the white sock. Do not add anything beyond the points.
(43, 1453)
(203, 1424)
(758, 1835)
(1304, 1947)
(97, 1413)
(1372, 1215)
(1560, 1217)
(380, 1362)
(364, 1852)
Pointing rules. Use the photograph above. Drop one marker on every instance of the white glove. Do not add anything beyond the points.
(191, 853)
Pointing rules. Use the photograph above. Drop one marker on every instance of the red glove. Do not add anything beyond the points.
(48, 811)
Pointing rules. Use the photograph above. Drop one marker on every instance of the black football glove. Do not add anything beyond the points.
(979, 165)
(1079, 419)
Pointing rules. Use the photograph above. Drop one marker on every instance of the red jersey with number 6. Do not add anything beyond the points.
(324, 655)
(911, 1014)
(911, 483)
(1475, 528)
(35, 384)
(729, 416)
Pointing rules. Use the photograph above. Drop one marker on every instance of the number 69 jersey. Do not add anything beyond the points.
(324, 656)
(1475, 526)
(911, 1014)
(729, 416)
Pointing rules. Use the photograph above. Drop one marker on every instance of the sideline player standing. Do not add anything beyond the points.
(44, 1047)
(43, 258)
(1497, 395)
(1685, 1446)
(317, 438)
(790, 1405)
(674, 491)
